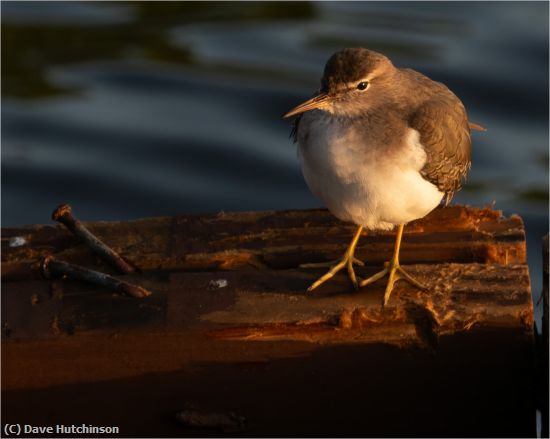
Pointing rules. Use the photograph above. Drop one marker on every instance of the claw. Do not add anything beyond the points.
(327, 275)
(347, 261)
(351, 273)
(394, 271)
(374, 277)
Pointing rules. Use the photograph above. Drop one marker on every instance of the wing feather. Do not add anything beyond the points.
(445, 136)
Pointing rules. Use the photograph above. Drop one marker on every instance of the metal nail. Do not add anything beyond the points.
(52, 267)
(63, 215)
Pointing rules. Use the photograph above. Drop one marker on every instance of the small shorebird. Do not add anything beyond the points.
(380, 146)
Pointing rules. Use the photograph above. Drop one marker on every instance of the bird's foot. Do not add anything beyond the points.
(335, 266)
(395, 272)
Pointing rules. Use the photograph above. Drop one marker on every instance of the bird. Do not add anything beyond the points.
(380, 146)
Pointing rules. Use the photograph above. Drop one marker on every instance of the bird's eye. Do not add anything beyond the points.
(362, 85)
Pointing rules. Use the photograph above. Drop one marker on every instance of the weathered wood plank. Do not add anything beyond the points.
(453, 360)
(230, 241)
(272, 305)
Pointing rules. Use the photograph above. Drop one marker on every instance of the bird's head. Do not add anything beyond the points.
(352, 81)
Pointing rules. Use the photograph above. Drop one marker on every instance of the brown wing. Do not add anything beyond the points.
(445, 136)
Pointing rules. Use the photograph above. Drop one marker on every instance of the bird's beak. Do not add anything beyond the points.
(318, 101)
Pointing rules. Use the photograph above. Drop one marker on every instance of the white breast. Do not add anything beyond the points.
(360, 181)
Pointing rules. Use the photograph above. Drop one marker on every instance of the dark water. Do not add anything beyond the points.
(128, 110)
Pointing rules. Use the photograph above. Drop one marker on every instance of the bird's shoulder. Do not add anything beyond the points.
(442, 124)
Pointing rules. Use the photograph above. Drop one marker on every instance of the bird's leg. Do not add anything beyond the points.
(394, 270)
(347, 261)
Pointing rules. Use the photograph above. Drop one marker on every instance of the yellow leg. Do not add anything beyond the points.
(394, 270)
(347, 261)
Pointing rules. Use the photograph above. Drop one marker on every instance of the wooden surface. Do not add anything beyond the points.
(277, 240)
(229, 327)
